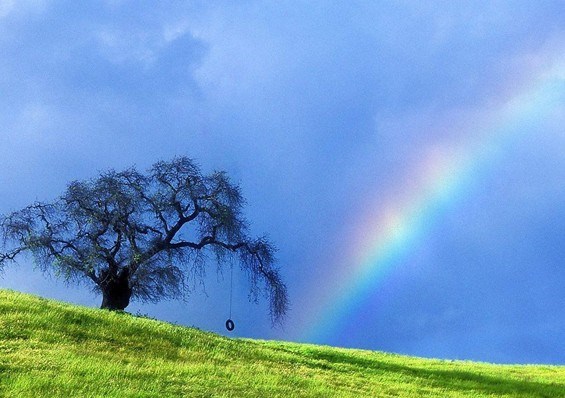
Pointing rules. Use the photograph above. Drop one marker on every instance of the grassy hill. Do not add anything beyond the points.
(51, 349)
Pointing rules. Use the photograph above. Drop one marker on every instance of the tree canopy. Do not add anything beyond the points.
(140, 236)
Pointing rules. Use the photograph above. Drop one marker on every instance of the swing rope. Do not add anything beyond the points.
(229, 323)
(231, 286)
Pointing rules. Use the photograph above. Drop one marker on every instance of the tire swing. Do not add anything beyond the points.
(230, 325)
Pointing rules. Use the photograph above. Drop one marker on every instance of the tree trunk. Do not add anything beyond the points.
(116, 291)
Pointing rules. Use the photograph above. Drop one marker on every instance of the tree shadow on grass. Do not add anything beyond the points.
(450, 379)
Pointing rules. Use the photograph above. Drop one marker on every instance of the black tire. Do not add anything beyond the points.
(230, 325)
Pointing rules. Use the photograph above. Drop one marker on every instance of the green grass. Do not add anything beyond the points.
(52, 349)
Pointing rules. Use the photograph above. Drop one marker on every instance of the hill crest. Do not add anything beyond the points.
(50, 349)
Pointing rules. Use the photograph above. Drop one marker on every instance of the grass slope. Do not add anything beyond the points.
(51, 349)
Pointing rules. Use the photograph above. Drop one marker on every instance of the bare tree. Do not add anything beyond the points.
(144, 236)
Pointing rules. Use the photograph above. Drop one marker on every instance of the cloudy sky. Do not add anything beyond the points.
(406, 157)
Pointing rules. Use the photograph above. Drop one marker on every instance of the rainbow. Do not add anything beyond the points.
(394, 228)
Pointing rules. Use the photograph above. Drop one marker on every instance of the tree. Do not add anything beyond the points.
(144, 236)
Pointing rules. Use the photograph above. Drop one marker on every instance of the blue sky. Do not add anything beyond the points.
(318, 110)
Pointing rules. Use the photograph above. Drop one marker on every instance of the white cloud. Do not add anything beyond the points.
(120, 46)
(6, 7)
(10, 7)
